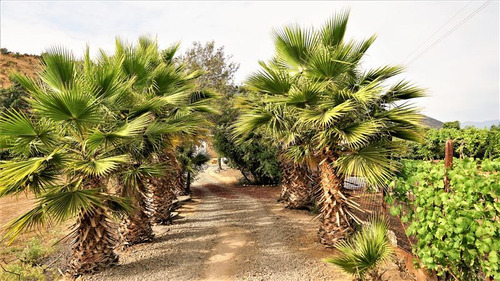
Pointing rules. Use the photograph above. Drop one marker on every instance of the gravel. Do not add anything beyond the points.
(226, 234)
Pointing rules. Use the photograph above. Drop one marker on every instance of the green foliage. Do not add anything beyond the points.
(456, 231)
(34, 252)
(362, 254)
(316, 102)
(452, 125)
(256, 158)
(217, 70)
(468, 142)
(192, 161)
(51, 141)
(13, 97)
(30, 265)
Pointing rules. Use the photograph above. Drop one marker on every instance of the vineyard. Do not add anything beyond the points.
(456, 229)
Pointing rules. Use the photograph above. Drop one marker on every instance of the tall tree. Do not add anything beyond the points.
(163, 89)
(60, 157)
(351, 116)
(217, 73)
(217, 68)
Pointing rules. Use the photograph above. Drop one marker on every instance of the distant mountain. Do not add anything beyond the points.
(431, 122)
(481, 124)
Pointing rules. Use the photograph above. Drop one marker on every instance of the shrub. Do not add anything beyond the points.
(34, 252)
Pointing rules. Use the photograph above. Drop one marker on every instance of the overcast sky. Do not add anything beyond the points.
(461, 72)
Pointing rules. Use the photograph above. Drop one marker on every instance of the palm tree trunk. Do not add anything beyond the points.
(188, 183)
(295, 186)
(93, 244)
(336, 218)
(137, 227)
(163, 197)
(178, 180)
(299, 192)
(285, 181)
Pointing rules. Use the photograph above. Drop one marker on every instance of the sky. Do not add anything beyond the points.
(460, 71)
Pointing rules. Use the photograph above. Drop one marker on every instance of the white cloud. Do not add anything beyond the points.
(461, 73)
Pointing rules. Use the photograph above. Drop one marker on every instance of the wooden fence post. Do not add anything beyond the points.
(448, 163)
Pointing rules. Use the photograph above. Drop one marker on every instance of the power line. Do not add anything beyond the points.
(439, 29)
(453, 29)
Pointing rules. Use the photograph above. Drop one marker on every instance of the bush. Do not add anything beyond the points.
(255, 158)
(34, 252)
(452, 125)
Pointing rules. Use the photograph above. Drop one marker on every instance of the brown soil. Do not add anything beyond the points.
(13, 206)
(27, 64)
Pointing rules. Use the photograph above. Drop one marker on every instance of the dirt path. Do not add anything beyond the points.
(229, 233)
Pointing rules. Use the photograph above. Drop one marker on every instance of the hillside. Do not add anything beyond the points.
(432, 123)
(10, 62)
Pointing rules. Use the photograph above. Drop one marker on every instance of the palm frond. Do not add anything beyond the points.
(69, 201)
(327, 115)
(129, 130)
(34, 174)
(169, 53)
(403, 90)
(371, 162)
(381, 73)
(75, 106)
(31, 85)
(307, 95)
(270, 80)
(360, 134)
(333, 31)
(99, 166)
(36, 217)
(134, 176)
(293, 46)
(59, 71)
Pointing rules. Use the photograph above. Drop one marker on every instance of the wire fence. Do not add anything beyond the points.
(371, 201)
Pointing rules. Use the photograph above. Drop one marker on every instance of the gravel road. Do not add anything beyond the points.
(229, 233)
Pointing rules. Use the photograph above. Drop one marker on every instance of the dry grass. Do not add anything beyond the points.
(43, 243)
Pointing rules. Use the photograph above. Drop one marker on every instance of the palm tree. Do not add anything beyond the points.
(163, 89)
(362, 255)
(350, 117)
(192, 162)
(276, 122)
(67, 148)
